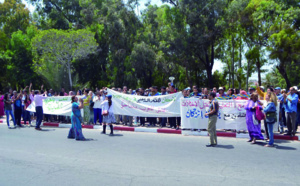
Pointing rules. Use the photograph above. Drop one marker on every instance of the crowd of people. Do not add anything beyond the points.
(95, 105)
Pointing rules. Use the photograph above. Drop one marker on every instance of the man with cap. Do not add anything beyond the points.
(290, 103)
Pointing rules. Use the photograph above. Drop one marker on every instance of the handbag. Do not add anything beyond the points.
(259, 114)
(271, 117)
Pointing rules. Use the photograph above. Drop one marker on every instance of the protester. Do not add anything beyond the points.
(18, 108)
(38, 99)
(253, 125)
(221, 92)
(27, 114)
(243, 93)
(205, 94)
(86, 109)
(290, 101)
(108, 115)
(153, 120)
(212, 120)
(76, 128)
(271, 117)
(230, 93)
(91, 106)
(98, 99)
(1, 105)
(126, 119)
(8, 109)
(195, 93)
(142, 119)
(163, 121)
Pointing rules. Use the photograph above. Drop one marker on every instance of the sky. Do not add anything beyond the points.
(218, 64)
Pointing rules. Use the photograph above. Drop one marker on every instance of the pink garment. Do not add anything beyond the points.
(1, 106)
(38, 99)
(65, 94)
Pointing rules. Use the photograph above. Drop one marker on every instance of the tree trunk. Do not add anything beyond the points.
(240, 63)
(232, 58)
(247, 82)
(282, 71)
(258, 71)
(70, 78)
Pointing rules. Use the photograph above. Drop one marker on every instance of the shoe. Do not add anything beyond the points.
(38, 129)
(210, 145)
(111, 134)
(249, 140)
(20, 126)
(177, 128)
(103, 132)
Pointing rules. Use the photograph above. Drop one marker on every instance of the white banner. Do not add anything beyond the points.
(232, 114)
(55, 106)
(146, 106)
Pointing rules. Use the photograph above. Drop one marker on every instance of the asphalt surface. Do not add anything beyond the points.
(30, 157)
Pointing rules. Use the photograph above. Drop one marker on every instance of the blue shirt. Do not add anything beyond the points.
(198, 95)
(157, 94)
(291, 106)
(280, 98)
(270, 107)
(214, 103)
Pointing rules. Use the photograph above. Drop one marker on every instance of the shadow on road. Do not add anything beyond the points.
(47, 130)
(116, 135)
(284, 148)
(225, 146)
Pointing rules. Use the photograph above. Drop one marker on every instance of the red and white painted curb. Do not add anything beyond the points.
(170, 131)
(167, 131)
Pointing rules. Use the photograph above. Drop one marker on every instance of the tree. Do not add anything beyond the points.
(62, 48)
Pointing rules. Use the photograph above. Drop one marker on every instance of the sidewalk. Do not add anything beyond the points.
(164, 130)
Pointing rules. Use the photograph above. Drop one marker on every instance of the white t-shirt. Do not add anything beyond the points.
(97, 102)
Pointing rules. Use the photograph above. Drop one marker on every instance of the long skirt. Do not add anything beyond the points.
(76, 129)
(253, 129)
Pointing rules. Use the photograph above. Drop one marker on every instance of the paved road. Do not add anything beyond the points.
(29, 157)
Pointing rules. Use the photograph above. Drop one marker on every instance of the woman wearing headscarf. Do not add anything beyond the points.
(253, 125)
(76, 129)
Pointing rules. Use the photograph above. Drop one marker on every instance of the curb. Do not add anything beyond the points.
(168, 131)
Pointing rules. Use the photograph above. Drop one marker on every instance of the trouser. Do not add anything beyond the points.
(172, 121)
(142, 119)
(291, 122)
(163, 122)
(212, 129)
(283, 116)
(18, 115)
(281, 125)
(271, 135)
(47, 117)
(178, 121)
(266, 129)
(127, 119)
(23, 112)
(152, 121)
(27, 116)
(97, 115)
(117, 118)
(10, 112)
(39, 116)
(298, 120)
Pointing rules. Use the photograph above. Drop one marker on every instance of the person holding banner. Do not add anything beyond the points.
(212, 120)
(253, 125)
(76, 129)
(108, 114)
